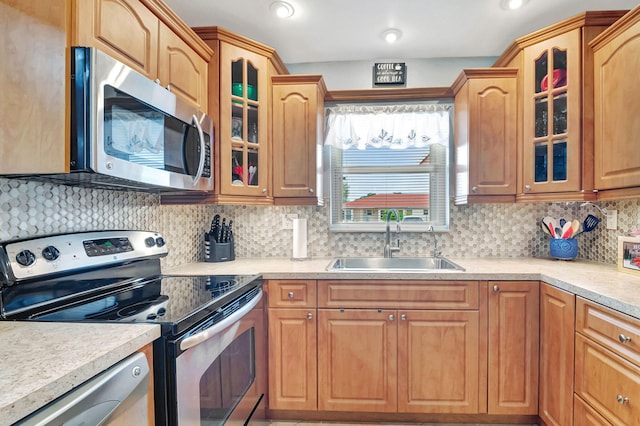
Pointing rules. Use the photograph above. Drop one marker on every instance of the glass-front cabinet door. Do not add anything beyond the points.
(552, 127)
(243, 122)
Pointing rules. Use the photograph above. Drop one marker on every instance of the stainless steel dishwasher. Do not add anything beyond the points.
(117, 396)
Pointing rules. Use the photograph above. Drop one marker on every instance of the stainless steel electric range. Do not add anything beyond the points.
(212, 326)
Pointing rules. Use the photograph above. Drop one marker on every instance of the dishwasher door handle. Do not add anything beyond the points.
(210, 332)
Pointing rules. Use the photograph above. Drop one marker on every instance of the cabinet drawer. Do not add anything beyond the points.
(586, 416)
(608, 383)
(398, 294)
(292, 293)
(614, 330)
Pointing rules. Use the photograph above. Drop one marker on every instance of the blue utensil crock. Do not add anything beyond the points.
(563, 248)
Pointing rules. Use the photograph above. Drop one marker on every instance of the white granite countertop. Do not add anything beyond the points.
(598, 282)
(40, 361)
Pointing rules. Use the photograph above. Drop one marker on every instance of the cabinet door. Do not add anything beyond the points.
(486, 136)
(557, 319)
(357, 359)
(552, 128)
(182, 70)
(124, 29)
(244, 100)
(438, 360)
(292, 359)
(617, 107)
(513, 347)
(33, 77)
(297, 123)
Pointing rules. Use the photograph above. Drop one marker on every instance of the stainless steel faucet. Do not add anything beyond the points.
(388, 248)
(436, 252)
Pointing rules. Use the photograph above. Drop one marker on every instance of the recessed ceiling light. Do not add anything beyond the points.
(282, 9)
(512, 4)
(391, 35)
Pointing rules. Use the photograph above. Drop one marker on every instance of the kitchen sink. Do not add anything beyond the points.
(399, 264)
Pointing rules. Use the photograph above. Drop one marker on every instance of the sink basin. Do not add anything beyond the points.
(399, 264)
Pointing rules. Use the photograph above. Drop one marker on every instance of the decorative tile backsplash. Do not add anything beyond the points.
(485, 230)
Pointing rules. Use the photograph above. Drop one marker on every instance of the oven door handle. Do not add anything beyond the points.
(210, 332)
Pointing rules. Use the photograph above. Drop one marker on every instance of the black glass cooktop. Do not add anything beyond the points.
(175, 302)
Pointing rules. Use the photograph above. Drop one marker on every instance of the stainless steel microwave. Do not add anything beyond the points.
(130, 133)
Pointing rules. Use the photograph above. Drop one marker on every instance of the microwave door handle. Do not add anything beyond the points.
(204, 335)
(198, 175)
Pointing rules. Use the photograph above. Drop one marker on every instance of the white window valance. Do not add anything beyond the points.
(398, 126)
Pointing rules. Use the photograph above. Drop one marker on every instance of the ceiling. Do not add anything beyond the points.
(349, 30)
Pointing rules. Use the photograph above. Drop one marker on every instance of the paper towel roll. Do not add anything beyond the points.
(299, 239)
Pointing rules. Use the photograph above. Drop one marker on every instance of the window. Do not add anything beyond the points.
(389, 161)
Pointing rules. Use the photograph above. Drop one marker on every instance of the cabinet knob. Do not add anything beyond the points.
(311, 191)
(403, 317)
(290, 295)
(622, 399)
(309, 315)
(624, 339)
(527, 187)
(391, 317)
(168, 87)
(496, 288)
(264, 190)
(474, 189)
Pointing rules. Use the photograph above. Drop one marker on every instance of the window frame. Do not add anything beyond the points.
(336, 190)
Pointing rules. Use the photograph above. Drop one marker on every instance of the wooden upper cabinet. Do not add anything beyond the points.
(181, 69)
(298, 131)
(33, 105)
(617, 107)
(557, 121)
(132, 32)
(513, 347)
(124, 29)
(485, 135)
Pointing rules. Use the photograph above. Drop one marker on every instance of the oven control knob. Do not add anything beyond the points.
(26, 258)
(50, 253)
(160, 241)
(150, 242)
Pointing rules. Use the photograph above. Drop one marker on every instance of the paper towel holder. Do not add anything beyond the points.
(300, 249)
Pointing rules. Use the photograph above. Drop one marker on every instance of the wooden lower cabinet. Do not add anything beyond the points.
(408, 361)
(513, 347)
(292, 359)
(439, 362)
(584, 415)
(557, 348)
(357, 360)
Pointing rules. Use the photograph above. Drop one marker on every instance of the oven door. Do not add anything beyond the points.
(216, 379)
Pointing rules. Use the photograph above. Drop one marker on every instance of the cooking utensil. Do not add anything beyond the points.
(575, 227)
(562, 221)
(589, 224)
(215, 224)
(548, 221)
(567, 230)
(545, 228)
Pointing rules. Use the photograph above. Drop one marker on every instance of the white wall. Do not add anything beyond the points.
(352, 75)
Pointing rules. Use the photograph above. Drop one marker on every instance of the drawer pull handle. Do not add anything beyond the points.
(622, 399)
(496, 288)
(391, 317)
(309, 315)
(290, 295)
(624, 339)
(403, 317)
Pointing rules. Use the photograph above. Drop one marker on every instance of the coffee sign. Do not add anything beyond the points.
(393, 73)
